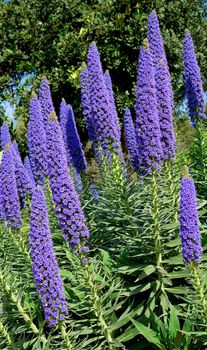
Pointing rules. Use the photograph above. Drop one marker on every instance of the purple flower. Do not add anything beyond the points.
(36, 141)
(63, 120)
(131, 139)
(77, 181)
(5, 135)
(28, 168)
(163, 87)
(45, 99)
(193, 82)
(100, 105)
(15, 147)
(46, 272)
(2, 215)
(158, 51)
(189, 223)
(73, 142)
(147, 121)
(86, 105)
(67, 204)
(9, 190)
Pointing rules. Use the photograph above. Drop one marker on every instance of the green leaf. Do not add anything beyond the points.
(174, 324)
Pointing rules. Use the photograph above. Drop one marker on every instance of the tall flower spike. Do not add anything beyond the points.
(36, 141)
(9, 190)
(108, 83)
(2, 215)
(158, 51)
(131, 139)
(24, 185)
(15, 146)
(86, 105)
(193, 82)
(5, 135)
(67, 204)
(189, 222)
(45, 100)
(28, 168)
(104, 124)
(73, 142)
(46, 272)
(63, 121)
(147, 121)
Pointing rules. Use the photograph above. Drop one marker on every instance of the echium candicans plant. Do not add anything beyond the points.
(67, 204)
(1, 199)
(158, 51)
(28, 168)
(46, 272)
(163, 87)
(45, 100)
(36, 141)
(9, 192)
(190, 232)
(73, 142)
(63, 120)
(5, 135)
(193, 81)
(131, 139)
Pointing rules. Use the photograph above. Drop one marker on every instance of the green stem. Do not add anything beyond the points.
(172, 190)
(16, 302)
(198, 286)
(97, 308)
(65, 336)
(7, 336)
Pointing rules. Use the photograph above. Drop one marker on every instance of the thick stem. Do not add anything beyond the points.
(16, 302)
(65, 336)
(97, 308)
(198, 286)
(7, 336)
(172, 190)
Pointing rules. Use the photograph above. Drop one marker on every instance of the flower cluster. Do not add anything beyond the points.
(131, 139)
(67, 204)
(9, 192)
(15, 147)
(63, 121)
(45, 101)
(28, 168)
(73, 142)
(86, 105)
(45, 267)
(104, 123)
(147, 121)
(193, 82)
(36, 141)
(163, 87)
(189, 223)
(5, 135)
(2, 216)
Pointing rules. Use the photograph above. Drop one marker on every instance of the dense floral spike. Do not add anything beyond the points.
(108, 83)
(15, 146)
(45, 100)
(104, 124)
(45, 267)
(5, 135)
(189, 223)
(36, 141)
(24, 185)
(73, 142)
(158, 51)
(67, 204)
(63, 121)
(147, 121)
(28, 168)
(9, 190)
(2, 215)
(131, 139)
(193, 82)
(86, 105)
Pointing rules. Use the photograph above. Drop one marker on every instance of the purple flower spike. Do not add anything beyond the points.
(2, 215)
(67, 204)
(108, 83)
(189, 223)
(24, 185)
(9, 190)
(73, 142)
(147, 121)
(28, 168)
(46, 272)
(86, 105)
(193, 82)
(15, 147)
(45, 100)
(131, 139)
(158, 51)
(104, 123)
(5, 135)
(36, 141)
(63, 121)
